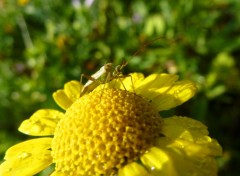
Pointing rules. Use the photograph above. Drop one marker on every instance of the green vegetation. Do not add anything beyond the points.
(45, 43)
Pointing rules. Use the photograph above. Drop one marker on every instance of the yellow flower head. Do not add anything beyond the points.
(116, 130)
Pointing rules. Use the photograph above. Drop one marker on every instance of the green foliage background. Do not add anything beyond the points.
(45, 43)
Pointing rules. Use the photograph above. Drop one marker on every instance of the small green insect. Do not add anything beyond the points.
(108, 71)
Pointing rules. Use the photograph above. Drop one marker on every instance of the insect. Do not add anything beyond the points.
(110, 72)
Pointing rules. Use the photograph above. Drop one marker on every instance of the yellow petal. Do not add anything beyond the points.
(194, 165)
(155, 84)
(131, 81)
(30, 146)
(158, 162)
(185, 160)
(133, 169)
(62, 99)
(115, 83)
(209, 148)
(177, 94)
(27, 158)
(72, 90)
(65, 97)
(42, 123)
(183, 128)
(124, 82)
(214, 148)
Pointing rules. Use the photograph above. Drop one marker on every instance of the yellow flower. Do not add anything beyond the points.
(116, 130)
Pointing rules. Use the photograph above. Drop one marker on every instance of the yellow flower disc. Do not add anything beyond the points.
(103, 131)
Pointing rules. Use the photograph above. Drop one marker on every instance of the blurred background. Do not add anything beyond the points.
(45, 43)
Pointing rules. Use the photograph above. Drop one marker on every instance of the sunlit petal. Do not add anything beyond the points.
(72, 90)
(158, 162)
(133, 169)
(27, 158)
(155, 84)
(179, 93)
(62, 99)
(183, 128)
(131, 81)
(188, 158)
(42, 123)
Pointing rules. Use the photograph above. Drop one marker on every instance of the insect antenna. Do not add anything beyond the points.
(118, 69)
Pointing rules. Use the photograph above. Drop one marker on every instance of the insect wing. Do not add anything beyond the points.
(93, 80)
(99, 73)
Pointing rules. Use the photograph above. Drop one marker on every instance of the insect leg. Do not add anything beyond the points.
(124, 76)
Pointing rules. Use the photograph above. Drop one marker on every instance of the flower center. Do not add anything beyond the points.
(103, 131)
